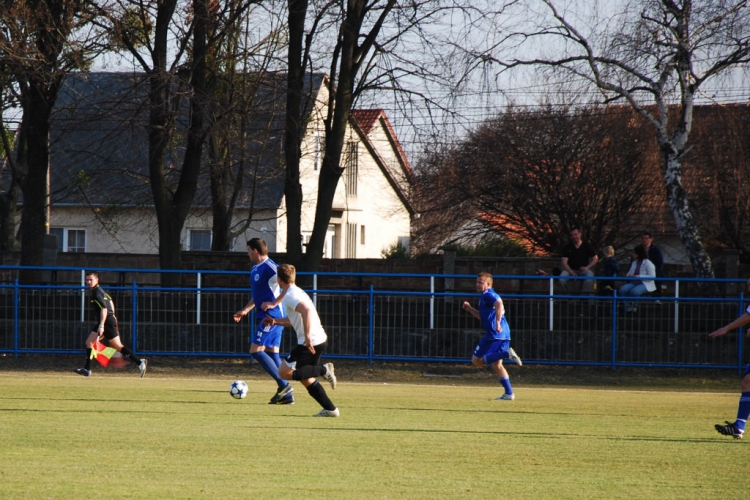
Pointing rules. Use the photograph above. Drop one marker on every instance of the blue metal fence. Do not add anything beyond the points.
(421, 321)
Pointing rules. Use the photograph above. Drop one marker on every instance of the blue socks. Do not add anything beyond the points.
(276, 357)
(743, 411)
(505, 382)
(269, 365)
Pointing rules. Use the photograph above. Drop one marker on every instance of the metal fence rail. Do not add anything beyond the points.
(372, 324)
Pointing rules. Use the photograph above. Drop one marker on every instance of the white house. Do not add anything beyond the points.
(101, 199)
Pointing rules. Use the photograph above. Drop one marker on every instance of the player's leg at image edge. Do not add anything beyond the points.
(737, 428)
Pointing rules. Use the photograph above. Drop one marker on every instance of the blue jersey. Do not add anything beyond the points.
(487, 314)
(265, 288)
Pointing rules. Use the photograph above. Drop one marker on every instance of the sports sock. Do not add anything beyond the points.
(128, 354)
(505, 382)
(743, 411)
(269, 366)
(89, 352)
(276, 357)
(318, 393)
(308, 371)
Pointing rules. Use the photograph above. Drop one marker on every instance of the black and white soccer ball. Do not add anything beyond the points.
(238, 389)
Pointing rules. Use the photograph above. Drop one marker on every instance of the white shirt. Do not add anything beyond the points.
(647, 271)
(295, 296)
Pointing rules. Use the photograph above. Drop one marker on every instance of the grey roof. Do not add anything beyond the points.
(99, 142)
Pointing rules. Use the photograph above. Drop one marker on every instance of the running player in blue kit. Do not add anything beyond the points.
(737, 428)
(265, 342)
(495, 344)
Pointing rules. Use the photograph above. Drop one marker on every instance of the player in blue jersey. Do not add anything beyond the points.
(494, 346)
(265, 342)
(737, 428)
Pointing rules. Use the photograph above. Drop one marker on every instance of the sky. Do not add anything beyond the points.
(465, 89)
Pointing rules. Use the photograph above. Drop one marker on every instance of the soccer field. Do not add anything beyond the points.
(65, 436)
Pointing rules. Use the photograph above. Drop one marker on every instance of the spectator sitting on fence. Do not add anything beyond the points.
(656, 256)
(577, 260)
(611, 268)
(641, 267)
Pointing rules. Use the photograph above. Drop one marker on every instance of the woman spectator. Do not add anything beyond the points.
(641, 267)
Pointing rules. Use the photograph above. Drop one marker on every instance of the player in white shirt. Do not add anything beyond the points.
(303, 362)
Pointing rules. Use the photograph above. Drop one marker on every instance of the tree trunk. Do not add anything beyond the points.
(342, 98)
(37, 111)
(678, 203)
(172, 209)
(294, 129)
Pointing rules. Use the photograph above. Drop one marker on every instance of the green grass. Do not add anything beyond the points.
(64, 436)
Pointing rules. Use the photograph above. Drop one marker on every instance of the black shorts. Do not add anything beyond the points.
(303, 357)
(111, 329)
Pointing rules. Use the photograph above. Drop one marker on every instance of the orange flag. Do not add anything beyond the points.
(102, 353)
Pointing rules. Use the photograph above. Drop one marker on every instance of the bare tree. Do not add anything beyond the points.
(244, 113)
(718, 174)
(656, 55)
(9, 173)
(531, 175)
(40, 43)
(365, 35)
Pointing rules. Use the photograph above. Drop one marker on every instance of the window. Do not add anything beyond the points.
(199, 240)
(330, 248)
(69, 240)
(352, 166)
(361, 235)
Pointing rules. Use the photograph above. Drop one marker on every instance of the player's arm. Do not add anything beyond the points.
(102, 319)
(270, 305)
(306, 311)
(101, 301)
(269, 321)
(469, 309)
(244, 311)
(741, 321)
(499, 311)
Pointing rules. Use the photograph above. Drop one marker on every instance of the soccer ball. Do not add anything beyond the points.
(238, 389)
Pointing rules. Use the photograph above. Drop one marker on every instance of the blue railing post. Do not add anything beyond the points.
(614, 329)
(16, 318)
(371, 333)
(134, 315)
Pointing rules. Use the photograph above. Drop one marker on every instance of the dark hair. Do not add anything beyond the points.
(258, 244)
(92, 273)
(646, 233)
(640, 252)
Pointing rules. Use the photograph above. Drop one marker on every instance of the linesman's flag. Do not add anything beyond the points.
(102, 353)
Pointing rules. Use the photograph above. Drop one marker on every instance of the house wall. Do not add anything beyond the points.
(376, 205)
(135, 231)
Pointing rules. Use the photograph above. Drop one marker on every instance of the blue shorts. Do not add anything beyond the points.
(489, 345)
(267, 336)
